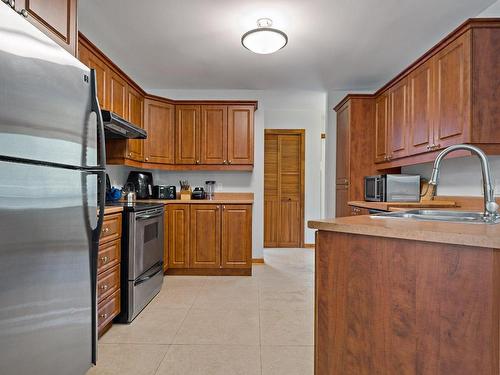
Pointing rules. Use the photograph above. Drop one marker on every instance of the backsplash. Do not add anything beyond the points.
(459, 176)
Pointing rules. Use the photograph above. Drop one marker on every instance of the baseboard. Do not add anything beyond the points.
(258, 260)
(309, 246)
(209, 271)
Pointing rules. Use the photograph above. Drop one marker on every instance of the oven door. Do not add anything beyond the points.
(146, 239)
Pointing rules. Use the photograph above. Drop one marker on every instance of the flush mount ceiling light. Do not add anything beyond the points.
(264, 39)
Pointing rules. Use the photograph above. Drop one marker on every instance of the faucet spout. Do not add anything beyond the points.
(490, 205)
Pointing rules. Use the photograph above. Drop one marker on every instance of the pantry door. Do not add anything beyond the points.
(284, 188)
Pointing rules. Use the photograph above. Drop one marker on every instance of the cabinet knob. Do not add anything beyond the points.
(104, 287)
(147, 159)
(229, 162)
(104, 316)
(197, 162)
(129, 154)
(104, 259)
(224, 162)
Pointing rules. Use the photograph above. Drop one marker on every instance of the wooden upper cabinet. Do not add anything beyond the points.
(452, 86)
(205, 251)
(135, 116)
(102, 71)
(178, 235)
(213, 145)
(118, 88)
(421, 100)
(343, 143)
(160, 126)
(240, 132)
(381, 127)
(397, 145)
(236, 236)
(56, 18)
(187, 134)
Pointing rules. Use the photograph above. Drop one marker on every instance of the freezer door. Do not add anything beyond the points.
(45, 98)
(45, 270)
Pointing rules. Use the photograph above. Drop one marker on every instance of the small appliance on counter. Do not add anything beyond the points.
(143, 184)
(210, 189)
(198, 193)
(185, 190)
(164, 192)
(392, 188)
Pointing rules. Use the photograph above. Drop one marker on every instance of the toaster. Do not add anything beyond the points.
(164, 192)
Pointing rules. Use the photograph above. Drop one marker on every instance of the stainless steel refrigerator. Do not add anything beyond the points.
(51, 173)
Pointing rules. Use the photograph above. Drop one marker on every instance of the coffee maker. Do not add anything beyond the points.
(143, 184)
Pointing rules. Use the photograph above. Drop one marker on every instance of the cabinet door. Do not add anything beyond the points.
(102, 71)
(398, 120)
(213, 134)
(135, 116)
(187, 133)
(240, 135)
(118, 95)
(56, 18)
(205, 251)
(343, 145)
(342, 209)
(178, 235)
(452, 86)
(381, 127)
(420, 108)
(237, 236)
(160, 125)
(166, 242)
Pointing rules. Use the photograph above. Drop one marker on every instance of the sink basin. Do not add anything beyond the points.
(436, 215)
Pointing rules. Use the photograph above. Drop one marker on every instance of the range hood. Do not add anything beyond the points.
(116, 127)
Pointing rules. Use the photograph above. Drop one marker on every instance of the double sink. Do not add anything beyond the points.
(436, 215)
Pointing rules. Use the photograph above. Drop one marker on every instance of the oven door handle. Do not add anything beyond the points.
(148, 216)
(156, 270)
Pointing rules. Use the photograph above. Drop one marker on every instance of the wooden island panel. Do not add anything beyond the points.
(395, 306)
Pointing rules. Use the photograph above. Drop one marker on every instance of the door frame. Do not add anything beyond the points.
(302, 134)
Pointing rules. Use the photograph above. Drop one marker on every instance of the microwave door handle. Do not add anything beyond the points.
(376, 193)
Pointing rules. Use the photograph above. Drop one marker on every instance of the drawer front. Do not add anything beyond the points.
(109, 256)
(108, 309)
(111, 228)
(107, 283)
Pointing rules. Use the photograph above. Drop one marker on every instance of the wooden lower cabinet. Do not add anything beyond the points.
(108, 272)
(209, 239)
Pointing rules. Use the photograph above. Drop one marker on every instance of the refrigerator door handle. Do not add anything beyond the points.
(100, 123)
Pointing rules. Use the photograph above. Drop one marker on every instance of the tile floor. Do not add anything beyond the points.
(259, 325)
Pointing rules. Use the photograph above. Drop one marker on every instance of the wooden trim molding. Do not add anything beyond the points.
(179, 167)
(258, 260)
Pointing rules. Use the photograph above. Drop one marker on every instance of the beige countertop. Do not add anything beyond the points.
(388, 206)
(480, 235)
(220, 198)
(112, 210)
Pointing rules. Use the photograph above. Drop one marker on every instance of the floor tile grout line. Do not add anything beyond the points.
(163, 358)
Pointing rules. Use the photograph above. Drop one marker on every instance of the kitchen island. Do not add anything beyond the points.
(400, 296)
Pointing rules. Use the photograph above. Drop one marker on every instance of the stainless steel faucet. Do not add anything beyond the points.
(490, 206)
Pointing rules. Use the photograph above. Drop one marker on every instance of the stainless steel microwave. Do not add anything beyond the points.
(392, 188)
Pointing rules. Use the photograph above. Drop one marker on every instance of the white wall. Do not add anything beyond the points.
(277, 110)
(492, 11)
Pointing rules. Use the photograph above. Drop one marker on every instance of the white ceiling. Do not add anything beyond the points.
(333, 44)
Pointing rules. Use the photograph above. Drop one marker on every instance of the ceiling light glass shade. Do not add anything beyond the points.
(264, 40)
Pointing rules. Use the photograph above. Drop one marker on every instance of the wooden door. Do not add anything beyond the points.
(160, 125)
(118, 95)
(135, 147)
(398, 120)
(205, 250)
(240, 135)
(284, 188)
(213, 145)
(178, 235)
(343, 145)
(166, 242)
(56, 18)
(452, 89)
(381, 127)
(420, 107)
(102, 71)
(342, 209)
(237, 236)
(187, 132)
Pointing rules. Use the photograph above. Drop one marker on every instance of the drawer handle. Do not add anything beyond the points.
(104, 287)
(104, 259)
(104, 316)
(105, 230)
